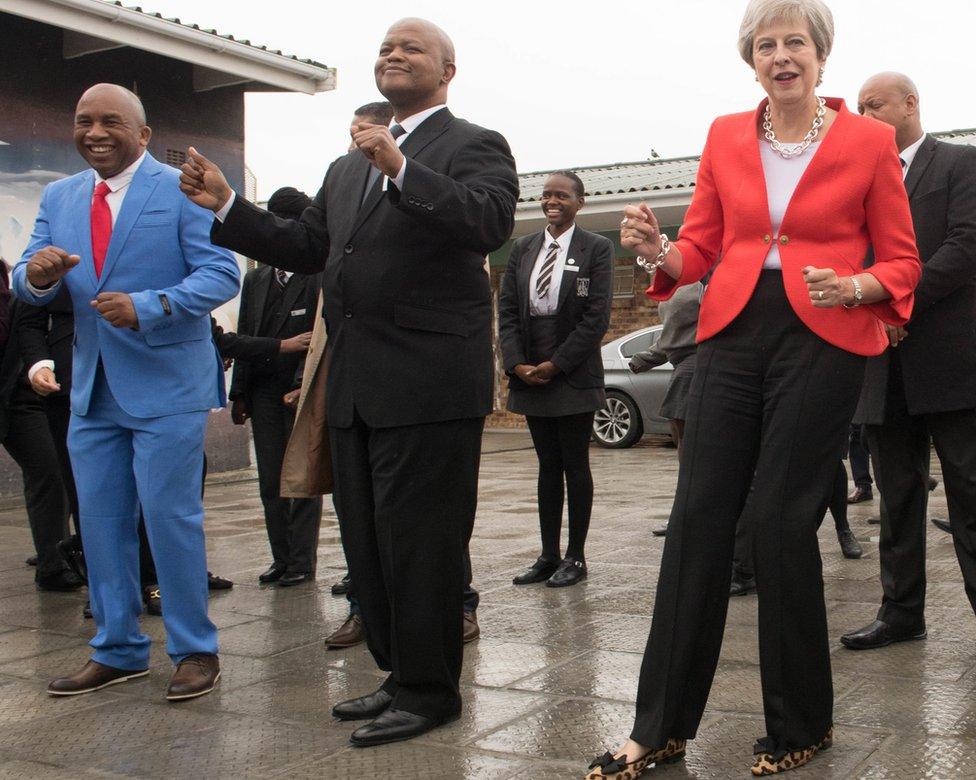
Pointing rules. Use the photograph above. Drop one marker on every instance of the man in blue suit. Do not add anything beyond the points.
(143, 276)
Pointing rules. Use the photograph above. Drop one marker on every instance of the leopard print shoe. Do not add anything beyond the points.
(607, 767)
(772, 763)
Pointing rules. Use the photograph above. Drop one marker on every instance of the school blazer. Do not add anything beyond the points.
(851, 196)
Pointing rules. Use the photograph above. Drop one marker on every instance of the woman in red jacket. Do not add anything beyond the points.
(787, 201)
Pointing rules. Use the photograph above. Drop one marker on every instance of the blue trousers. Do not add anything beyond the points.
(120, 462)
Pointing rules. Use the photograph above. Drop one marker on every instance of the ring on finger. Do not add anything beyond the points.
(820, 294)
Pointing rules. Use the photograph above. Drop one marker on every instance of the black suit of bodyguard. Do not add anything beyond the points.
(407, 305)
(926, 386)
(271, 310)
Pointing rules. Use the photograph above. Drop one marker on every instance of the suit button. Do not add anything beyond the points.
(347, 249)
(767, 238)
(429, 207)
(348, 315)
(784, 239)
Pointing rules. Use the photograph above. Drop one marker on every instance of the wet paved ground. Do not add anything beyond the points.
(549, 685)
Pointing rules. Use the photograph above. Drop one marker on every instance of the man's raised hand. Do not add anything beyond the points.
(48, 265)
(379, 146)
(203, 182)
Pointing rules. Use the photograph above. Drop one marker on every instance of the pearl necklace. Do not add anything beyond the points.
(788, 151)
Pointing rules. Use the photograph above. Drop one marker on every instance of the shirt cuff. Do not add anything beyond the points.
(398, 179)
(37, 367)
(40, 292)
(221, 213)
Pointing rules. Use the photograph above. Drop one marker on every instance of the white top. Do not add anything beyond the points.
(908, 155)
(543, 307)
(782, 176)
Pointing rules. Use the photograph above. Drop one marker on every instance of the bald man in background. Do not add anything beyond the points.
(924, 385)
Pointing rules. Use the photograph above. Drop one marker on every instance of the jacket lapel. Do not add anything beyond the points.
(526, 264)
(430, 129)
(923, 157)
(577, 251)
(255, 309)
(143, 183)
(293, 289)
(85, 189)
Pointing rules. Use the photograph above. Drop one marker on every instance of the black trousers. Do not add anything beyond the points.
(31, 445)
(292, 523)
(900, 448)
(769, 408)
(58, 410)
(562, 445)
(406, 499)
(860, 458)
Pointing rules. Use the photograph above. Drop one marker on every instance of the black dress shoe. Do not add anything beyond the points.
(942, 525)
(295, 578)
(660, 530)
(272, 573)
(32, 561)
(63, 580)
(741, 586)
(394, 726)
(540, 571)
(849, 545)
(218, 583)
(86, 612)
(341, 588)
(880, 634)
(933, 484)
(73, 555)
(874, 520)
(364, 707)
(570, 571)
(860, 494)
(153, 601)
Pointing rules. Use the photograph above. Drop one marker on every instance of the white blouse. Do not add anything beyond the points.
(782, 176)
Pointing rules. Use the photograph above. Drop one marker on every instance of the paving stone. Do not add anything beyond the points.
(912, 756)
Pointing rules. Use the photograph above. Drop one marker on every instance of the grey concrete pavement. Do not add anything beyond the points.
(549, 685)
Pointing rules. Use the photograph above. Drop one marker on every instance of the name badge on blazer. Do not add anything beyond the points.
(571, 265)
(582, 287)
(298, 312)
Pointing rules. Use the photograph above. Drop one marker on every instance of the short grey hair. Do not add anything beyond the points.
(762, 13)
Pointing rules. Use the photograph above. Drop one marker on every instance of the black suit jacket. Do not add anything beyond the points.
(407, 302)
(22, 318)
(938, 359)
(295, 315)
(48, 334)
(583, 312)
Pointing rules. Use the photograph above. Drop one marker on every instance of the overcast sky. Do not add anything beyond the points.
(572, 83)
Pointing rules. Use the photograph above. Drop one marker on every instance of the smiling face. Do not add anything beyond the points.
(560, 203)
(110, 129)
(414, 67)
(786, 61)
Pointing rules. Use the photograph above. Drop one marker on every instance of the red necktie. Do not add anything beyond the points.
(101, 226)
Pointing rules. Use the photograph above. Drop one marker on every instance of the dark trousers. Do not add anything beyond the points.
(31, 445)
(742, 563)
(901, 468)
(471, 598)
(406, 499)
(58, 410)
(769, 408)
(562, 445)
(292, 523)
(859, 457)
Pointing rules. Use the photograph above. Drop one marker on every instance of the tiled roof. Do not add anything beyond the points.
(216, 34)
(654, 175)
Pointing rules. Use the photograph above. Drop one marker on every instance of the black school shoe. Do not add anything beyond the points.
(570, 571)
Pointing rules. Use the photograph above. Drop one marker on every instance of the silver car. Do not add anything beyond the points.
(633, 400)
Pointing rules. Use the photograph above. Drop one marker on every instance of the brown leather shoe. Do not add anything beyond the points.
(471, 628)
(196, 675)
(349, 634)
(93, 677)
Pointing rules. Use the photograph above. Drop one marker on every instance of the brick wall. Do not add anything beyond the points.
(627, 314)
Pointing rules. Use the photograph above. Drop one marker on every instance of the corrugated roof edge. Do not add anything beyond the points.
(211, 31)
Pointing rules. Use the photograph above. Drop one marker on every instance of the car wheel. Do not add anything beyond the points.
(618, 424)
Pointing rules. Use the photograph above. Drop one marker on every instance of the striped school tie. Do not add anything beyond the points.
(544, 280)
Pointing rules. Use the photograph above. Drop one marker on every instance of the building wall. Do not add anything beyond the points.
(38, 94)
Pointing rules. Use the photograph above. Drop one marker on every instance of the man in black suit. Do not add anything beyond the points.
(26, 436)
(925, 385)
(408, 312)
(277, 307)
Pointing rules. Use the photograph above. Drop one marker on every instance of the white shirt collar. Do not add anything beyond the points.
(124, 178)
(908, 154)
(411, 123)
(564, 239)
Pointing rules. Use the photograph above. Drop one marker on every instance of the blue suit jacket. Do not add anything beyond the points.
(160, 251)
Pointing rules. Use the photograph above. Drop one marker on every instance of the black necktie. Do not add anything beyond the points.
(374, 173)
(544, 279)
(281, 278)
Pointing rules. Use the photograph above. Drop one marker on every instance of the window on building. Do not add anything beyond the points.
(623, 281)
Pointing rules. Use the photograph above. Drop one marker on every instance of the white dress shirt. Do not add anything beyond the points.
(547, 305)
(908, 155)
(118, 186)
(782, 177)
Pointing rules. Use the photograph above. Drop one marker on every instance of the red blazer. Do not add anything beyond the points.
(851, 196)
